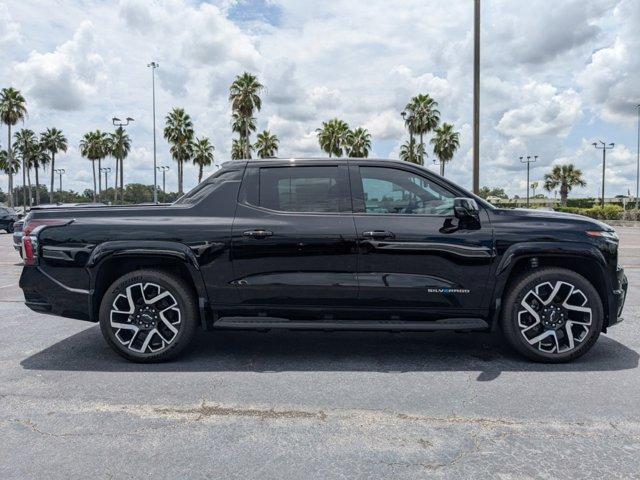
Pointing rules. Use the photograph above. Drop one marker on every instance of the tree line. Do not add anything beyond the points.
(28, 151)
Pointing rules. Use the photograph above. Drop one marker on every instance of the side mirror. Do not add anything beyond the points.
(466, 209)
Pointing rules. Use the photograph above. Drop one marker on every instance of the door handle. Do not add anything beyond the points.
(378, 234)
(258, 233)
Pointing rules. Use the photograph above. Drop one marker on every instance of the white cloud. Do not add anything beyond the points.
(9, 29)
(542, 110)
(385, 125)
(552, 73)
(612, 77)
(65, 78)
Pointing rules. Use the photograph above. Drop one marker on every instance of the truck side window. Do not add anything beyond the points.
(304, 189)
(211, 185)
(396, 191)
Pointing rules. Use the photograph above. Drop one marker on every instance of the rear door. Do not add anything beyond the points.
(412, 253)
(294, 239)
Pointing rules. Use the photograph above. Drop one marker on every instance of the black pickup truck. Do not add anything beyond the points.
(332, 244)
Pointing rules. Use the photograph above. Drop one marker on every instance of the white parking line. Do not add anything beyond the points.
(9, 285)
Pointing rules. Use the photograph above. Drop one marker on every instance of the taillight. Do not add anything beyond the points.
(28, 250)
(30, 231)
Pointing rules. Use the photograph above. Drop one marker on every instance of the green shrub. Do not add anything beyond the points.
(609, 212)
(581, 202)
(569, 210)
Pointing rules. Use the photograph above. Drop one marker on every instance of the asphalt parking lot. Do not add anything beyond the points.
(312, 405)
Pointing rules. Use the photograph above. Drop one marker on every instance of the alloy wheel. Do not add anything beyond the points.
(555, 317)
(146, 318)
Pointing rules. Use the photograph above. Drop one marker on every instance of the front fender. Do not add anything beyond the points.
(589, 255)
(532, 249)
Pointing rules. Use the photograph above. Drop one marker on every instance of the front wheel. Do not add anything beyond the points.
(148, 316)
(9, 228)
(552, 315)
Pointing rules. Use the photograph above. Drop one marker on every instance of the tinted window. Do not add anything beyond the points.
(395, 191)
(214, 183)
(303, 189)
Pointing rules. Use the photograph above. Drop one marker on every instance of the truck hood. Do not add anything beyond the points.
(552, 218)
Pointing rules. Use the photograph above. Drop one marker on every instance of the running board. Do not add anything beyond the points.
(396, 325)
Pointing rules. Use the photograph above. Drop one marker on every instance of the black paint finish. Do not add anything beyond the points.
(244, 260)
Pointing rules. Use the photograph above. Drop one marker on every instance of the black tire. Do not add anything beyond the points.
(185, 313)
(514, 307)
(9, 228)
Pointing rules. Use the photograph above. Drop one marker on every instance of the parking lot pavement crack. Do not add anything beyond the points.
(205, 410)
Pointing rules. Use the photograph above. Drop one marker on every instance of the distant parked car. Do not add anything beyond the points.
(17, 236)
(8, 217)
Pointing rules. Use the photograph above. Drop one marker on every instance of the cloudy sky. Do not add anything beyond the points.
(556, 76)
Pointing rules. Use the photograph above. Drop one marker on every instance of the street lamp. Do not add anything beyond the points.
(60, 172)
(153, 66)
(106, 171)
(163, 169)
(476, 96)
(600, 145)
(119, 123)
(528, 161)
(638, 160)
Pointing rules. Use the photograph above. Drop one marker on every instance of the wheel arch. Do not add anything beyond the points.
(111, 260)
(583, 259)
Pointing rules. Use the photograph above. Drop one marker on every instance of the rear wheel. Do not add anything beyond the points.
(148, 316)
(552, 315)
(9, 228)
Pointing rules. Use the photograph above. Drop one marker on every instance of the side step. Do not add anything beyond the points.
(396, 325)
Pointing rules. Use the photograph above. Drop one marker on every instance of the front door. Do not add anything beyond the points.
(412, 252)
(294, 239)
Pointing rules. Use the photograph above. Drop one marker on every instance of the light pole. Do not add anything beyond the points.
(106, 171)
(119, 123)
(476, 96)
(528, 161)
(153, 66)
(600, 145)
(163, 169)
(60, 172)
(638, 160)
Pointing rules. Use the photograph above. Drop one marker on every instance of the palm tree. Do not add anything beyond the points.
(332, 136)
(94, 146)
(202, 154)
(53, 141)
(423, 116)
(245, 99)
(238, 149)
(5, 166)
(412, 152)
(267, 145)
(9, 168)
(534, 187)
(26, 146)
(445, 144)
(358, 143)
(13, 109)
(565, 176)
(241, 124)
(178, 131)
(120, 146)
